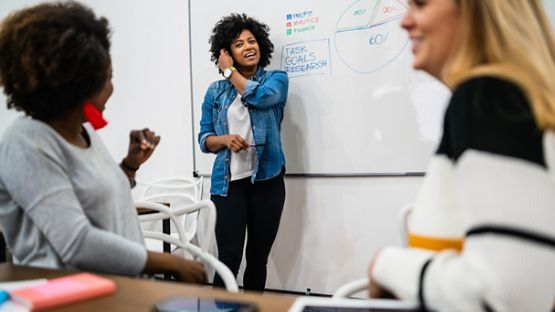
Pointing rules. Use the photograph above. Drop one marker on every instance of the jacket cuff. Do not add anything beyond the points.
(202, 142)
(398, 270)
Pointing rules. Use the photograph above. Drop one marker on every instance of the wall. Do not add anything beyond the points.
(149, 41)
(330, 226)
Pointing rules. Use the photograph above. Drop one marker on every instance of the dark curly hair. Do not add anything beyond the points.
(53, 57)
(230, 27)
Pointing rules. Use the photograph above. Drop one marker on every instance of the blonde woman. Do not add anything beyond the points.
(491, 183)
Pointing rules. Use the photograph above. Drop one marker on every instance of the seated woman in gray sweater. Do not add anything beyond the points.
(64, 202)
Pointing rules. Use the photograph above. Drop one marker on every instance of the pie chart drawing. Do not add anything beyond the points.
(368, 35)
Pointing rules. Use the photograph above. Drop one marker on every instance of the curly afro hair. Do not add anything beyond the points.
(53, 57)
(230, 27)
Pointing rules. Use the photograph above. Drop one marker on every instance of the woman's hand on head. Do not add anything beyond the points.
(142, 144)
(235, 142)
(225, 60)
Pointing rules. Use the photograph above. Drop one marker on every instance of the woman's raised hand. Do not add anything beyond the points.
(142, 144)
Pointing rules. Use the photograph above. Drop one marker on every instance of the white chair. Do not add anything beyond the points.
(359, 285)
(178, 192)
(182, 241)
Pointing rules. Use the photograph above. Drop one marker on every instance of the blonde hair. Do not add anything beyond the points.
(510, 39)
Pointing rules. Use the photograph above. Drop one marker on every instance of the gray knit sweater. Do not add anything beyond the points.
(62, 206)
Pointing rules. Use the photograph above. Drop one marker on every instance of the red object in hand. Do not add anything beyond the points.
(94, 116)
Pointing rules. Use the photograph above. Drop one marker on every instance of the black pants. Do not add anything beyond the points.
(257, 208)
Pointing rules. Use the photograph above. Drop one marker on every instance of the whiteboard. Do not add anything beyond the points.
(355, 105)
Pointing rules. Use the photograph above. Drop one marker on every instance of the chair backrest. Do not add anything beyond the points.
(182, 241)
(178, 192)
(404, 216)
(193, 187)
(189, 219)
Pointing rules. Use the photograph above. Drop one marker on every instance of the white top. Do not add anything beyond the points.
(239, 122)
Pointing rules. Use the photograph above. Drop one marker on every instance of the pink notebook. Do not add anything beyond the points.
(64, 290)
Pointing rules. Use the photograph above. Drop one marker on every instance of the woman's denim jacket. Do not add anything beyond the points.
(265, 95)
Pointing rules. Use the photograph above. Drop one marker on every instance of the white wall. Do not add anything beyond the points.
(149, 42)
(330, 226)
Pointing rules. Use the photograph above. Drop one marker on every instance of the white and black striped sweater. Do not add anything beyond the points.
(491, 182)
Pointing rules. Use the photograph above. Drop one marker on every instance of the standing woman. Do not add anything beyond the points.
(494, 169)
(64, 202)
(241, 122)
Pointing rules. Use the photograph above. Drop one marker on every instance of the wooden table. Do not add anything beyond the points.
(135, 294)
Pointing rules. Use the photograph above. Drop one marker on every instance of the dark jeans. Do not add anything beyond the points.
(257, 208)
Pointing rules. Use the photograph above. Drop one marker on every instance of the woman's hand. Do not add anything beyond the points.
(224, 60)
(190, 271)
(142, 144)
(184, 270)
(235, 142)
(374, 289)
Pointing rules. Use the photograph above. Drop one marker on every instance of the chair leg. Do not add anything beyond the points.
(2, 248)
(166, 229)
